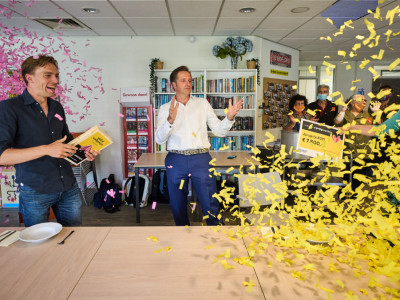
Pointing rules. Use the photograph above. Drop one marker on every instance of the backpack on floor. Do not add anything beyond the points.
(108, 196)
(159, 187)
(144, 191)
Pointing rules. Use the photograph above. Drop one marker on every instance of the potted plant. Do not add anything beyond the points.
(254, 64)
(155, 63)
(234, 47)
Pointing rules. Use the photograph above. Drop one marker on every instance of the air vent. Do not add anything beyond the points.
(65, 24)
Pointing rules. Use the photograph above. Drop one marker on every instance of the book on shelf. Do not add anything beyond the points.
(93, 139)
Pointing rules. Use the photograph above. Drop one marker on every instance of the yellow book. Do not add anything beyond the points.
(93, 139)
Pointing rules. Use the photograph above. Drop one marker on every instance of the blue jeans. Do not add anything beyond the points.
(35, 207)
(205, 186)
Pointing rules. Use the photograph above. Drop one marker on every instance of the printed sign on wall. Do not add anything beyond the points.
(317, 139)
(280, 59)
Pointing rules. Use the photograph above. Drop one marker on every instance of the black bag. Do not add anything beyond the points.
(130, 192)
(159, 187)
(108, 195)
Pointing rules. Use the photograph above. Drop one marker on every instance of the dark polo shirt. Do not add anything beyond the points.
(23, 124)
(328, 115)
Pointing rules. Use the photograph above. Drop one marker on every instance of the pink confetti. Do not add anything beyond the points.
(169, 167)
(6, 221)
(105, 198)
(121, 115)
(108, 181)
(87, 183)
(194, 207)
(111, 193)
(122, 192)
(36, 57)
(189, 175)
(154, 205)
(102, 124)
(58, 117)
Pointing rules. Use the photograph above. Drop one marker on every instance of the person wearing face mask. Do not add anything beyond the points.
(354, 113)
(297, 106)
(325, 110)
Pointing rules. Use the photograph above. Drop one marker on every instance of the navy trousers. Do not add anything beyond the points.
(180, 167)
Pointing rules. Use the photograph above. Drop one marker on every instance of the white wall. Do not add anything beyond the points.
(293, 74)
(124, 62)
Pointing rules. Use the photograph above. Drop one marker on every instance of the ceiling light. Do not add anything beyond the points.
(90, 10)
(247, 10)
(299, 10)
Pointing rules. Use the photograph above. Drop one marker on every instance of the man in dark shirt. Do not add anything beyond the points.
(33, 137)
(325, 110)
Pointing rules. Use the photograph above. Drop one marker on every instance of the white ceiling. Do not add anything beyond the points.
(272, 20)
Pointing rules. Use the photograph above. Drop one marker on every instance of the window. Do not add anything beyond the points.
(309, 81)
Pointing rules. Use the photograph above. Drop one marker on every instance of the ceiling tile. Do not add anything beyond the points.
(315, 8)
(263, 8)
(238, 23)
(186, 9)
(108, 26)
(141, 9)
(75, 8)
(316, 33)
(271, 34)
(194, 26)
(282, 22)
(151, 26)
(40, 9)
(318, 22)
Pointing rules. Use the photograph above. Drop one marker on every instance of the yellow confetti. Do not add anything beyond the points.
(342, 53)
(158, 251)
(390, 14)
(379, 56)
(225, 111)
(212, 162)
(394, 64)
(226, 265)
(329, 20)
(348, 67)
(294, 87)
(152, 238)
(310, 267)
(340, 283)
(310, 69)
(182, 183)
(364, 292)
(193, 134)
(249, 285)
(230, 170)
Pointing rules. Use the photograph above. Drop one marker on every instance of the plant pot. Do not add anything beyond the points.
(158, 65)
(251, 65)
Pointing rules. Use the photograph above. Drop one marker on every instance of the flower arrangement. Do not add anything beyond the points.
(233, 47)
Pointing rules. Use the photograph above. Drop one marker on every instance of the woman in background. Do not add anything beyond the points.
(297, 106)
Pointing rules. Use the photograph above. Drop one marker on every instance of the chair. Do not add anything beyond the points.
(261, 189)
(51, 216)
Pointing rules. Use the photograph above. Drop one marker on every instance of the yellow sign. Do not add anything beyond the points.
(317, 139)
(277, 72)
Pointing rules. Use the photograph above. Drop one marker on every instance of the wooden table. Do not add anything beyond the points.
(121, 263)
(157, 161)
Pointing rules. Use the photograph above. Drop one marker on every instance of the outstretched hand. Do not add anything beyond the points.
(375, 106)
(234, 109)
(173, 110)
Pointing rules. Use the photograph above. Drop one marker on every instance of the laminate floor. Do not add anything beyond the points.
(92, 216)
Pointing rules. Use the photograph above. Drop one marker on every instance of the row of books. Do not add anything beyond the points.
(162, 99)
(163, 85)
(234, 142)
(218, 102)
(241, 123)
(232, 85)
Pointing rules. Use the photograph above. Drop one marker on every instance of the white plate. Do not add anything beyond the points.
(40, 232)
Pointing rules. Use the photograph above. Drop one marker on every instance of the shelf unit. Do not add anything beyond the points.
(138, 135)
(217, 86)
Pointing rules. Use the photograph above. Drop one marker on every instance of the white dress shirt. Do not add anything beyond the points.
(189, 130)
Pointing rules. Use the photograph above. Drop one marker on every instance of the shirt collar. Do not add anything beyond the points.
(28, 99)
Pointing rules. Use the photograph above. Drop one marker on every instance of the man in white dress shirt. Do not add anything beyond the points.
(182, 123)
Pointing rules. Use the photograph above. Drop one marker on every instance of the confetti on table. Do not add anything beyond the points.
(152, 238)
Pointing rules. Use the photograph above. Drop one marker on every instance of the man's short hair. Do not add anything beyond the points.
(174, 74)
(385, 87)
(322, 86)
(30, 64)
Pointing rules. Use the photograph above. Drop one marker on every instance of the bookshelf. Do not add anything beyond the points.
(138, 135)
(218, 86)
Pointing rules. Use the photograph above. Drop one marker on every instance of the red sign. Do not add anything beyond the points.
(280, 59)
